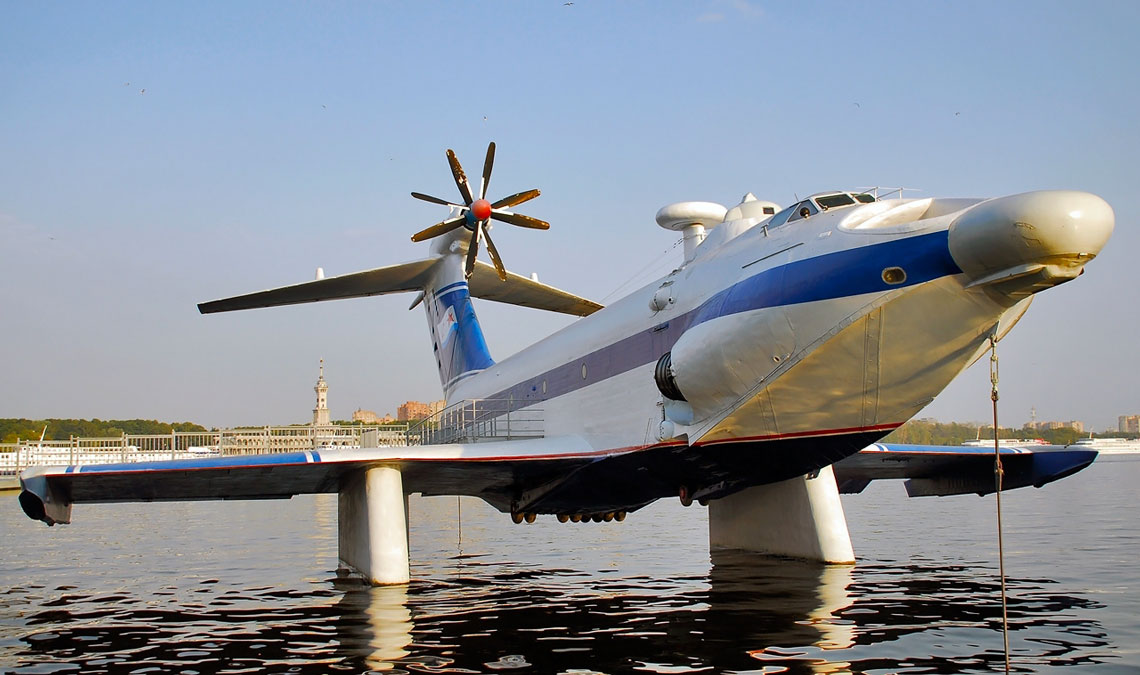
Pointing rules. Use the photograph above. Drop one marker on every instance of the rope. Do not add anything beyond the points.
(998, 473)
(656, 260)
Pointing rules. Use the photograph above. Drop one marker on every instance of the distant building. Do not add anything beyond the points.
(369, 417)
(321, 412)
(1129, 424)
(1076, 425)
(415, 410)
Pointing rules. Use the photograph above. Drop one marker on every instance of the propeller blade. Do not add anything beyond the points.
(473, 250)
(440, 228)
(460, 177)
(520, 220)
(435, 200)
(487, 163)
(515, 199)
(494, 254)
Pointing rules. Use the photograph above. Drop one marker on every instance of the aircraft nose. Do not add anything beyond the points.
(1024, 243)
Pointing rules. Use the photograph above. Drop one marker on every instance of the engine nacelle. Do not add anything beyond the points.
(717, 362)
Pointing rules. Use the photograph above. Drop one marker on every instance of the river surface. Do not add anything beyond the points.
(251, 587)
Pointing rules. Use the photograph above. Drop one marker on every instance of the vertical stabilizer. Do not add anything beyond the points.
(457, 339)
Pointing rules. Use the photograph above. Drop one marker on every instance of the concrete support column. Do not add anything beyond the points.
(799, 518)
(373, 526)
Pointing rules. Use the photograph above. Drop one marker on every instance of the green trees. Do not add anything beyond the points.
(932, 432)
(63, 429)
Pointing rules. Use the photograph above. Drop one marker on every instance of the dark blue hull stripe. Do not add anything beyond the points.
(841, 274)
(203, 463)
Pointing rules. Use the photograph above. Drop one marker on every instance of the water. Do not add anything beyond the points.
(250, 587)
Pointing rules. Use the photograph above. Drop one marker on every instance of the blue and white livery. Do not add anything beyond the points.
(787, 340)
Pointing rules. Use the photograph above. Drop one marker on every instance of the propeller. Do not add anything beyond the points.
(476, 214)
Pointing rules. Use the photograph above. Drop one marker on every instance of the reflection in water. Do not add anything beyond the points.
(375, 625)
(748, 612)
(769, 605)
(257, 592)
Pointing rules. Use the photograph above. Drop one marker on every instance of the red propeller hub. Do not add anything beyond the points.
(481, 209)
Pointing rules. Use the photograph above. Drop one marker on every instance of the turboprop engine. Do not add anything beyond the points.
(714, 364)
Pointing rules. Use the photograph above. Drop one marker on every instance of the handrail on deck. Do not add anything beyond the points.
(128, 448)
(479, 419)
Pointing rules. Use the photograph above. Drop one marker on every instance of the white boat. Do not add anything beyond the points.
(1004, 442)
(1110, 446)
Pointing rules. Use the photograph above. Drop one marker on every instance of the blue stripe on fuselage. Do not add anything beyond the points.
(845, 273)
(841, 274)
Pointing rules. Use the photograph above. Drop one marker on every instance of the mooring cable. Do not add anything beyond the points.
(998, 472)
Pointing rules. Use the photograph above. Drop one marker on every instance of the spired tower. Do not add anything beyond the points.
(321, 412)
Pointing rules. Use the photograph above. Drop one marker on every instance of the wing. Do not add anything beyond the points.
(951, 470)
(493, 471)
(543, 475)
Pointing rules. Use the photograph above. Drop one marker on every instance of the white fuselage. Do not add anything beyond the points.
(843, 362)
(793, 346)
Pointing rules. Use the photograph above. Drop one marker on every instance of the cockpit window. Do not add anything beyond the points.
(803, 210)
(808, 207)
(831, 201)
(781, 217)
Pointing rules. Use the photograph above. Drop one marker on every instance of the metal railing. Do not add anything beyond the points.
(128, 448)
(470, 420)
(482, 419)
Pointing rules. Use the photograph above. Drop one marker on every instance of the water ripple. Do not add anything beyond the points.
(573, 601)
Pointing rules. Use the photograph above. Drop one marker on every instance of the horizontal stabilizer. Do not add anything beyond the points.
(410, 276)
(520, 290)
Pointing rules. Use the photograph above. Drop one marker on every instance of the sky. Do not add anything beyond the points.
(156, 155)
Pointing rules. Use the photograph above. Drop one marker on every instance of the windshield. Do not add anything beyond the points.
(804, 209)
(808, 207)
(781, 217)
(831, 201)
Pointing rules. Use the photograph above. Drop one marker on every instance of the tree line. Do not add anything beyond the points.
(933, 432)
(63, 429)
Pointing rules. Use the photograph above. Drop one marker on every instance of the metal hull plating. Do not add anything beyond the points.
(784, 353)
(778, 347)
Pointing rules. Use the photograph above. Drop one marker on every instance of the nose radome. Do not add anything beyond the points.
(1040, 238)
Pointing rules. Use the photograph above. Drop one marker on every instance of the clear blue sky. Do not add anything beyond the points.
(275, 137)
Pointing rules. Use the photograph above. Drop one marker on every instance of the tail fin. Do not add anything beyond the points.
(457, 339)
